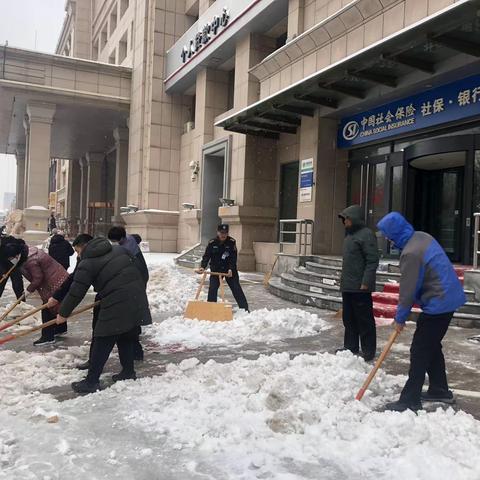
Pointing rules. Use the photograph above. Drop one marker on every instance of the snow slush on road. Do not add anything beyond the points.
(278, 416)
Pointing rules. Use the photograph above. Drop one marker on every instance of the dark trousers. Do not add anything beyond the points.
(15, 277)
(138, 350)
(49, 332)
(103, 346)
(359, 322)
(426, 356)
(235, 287)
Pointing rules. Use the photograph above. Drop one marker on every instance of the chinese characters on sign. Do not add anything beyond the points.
(440, 105)
(207, 32)
(306, 180)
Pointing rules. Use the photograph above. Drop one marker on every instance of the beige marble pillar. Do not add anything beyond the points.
(40, 119)
(83, 193)
(73, 205)
(94, 183)
(26, 126)
(121, 173)
(20, 157)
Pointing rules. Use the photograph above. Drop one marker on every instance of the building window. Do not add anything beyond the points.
(95, 50)
(281, 40)
(111, 58)
(231, 90)
(124, 4)
(113, 20)
(122, 48)
(103, 37)
(132, 36)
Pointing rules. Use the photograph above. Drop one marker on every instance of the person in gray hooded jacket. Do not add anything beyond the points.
(360, 262)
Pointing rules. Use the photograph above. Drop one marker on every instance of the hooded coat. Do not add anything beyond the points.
(117, 281)
(360, 254)
(428, 278)
(61, 250)
(44, 273)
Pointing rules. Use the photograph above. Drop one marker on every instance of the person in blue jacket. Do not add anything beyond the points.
(428, 280)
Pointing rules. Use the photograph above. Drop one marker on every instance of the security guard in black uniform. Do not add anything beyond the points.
(221, 252)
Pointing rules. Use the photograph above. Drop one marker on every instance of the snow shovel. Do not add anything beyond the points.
(7, 274)
(268, 276)
(379, 362)
(211, 311)
(10, 310)
(23, 317)
(9, 338)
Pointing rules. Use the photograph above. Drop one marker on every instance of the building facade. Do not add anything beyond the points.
(185, 113)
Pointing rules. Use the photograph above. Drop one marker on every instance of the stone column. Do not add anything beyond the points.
(94, 182)
(26, 126)
(20, 156)
(121, 173)
(74, 183)
(40, 119)
(295, 18)
(83, 193)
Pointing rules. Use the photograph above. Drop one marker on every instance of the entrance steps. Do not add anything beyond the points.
(316, 282)
(192, 257)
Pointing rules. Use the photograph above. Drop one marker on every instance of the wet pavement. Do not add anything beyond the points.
(462, 355)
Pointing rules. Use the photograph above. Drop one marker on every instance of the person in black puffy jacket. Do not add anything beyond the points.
(61, 250)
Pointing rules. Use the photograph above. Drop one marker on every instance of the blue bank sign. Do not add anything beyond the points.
(444, 104)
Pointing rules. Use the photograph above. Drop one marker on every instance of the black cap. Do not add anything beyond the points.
(223, 227)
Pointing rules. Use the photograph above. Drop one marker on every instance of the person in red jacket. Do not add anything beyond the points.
(45, 276)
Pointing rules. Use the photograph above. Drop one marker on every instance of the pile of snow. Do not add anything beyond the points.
(25, 373)
(258, 326)
(272, 418)
(278, 417)
(169, 289)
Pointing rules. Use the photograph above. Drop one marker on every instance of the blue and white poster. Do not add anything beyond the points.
(306, 180)
(448, 103)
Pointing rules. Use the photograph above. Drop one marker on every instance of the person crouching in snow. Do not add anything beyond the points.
(119, 284)
(428, 280)
(45, 276)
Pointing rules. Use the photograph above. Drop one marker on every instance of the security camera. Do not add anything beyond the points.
(133, 208)
(227, 202)
(188, 206)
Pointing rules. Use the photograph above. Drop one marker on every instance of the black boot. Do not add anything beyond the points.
(85, 387)
(399, 406)
(446, 397)
(84, 366)
(124, 376)
(61, 329)
(43, 341)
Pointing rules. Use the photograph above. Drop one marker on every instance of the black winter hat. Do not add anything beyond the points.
(11, 247)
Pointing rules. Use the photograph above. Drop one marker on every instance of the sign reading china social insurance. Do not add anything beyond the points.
(206, 33)
(444, 104)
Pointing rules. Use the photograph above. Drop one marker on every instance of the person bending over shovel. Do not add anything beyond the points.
(221, 253)
(45, 276)
(428, 280)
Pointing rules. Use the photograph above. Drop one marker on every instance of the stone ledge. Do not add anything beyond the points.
(242, 215)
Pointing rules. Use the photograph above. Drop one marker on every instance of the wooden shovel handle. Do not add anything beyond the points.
(8, 311)
(7, 274)
(200, 287)
(379, 362)
(8, 338)
(23, 317)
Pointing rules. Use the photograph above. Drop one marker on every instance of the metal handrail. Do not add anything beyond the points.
(303, 236)
(476, 234)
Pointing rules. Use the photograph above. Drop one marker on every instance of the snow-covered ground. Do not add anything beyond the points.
(275, 418)
(272, 418)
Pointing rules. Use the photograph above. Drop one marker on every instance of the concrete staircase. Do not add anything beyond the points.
(316, 281)
(192, 257)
